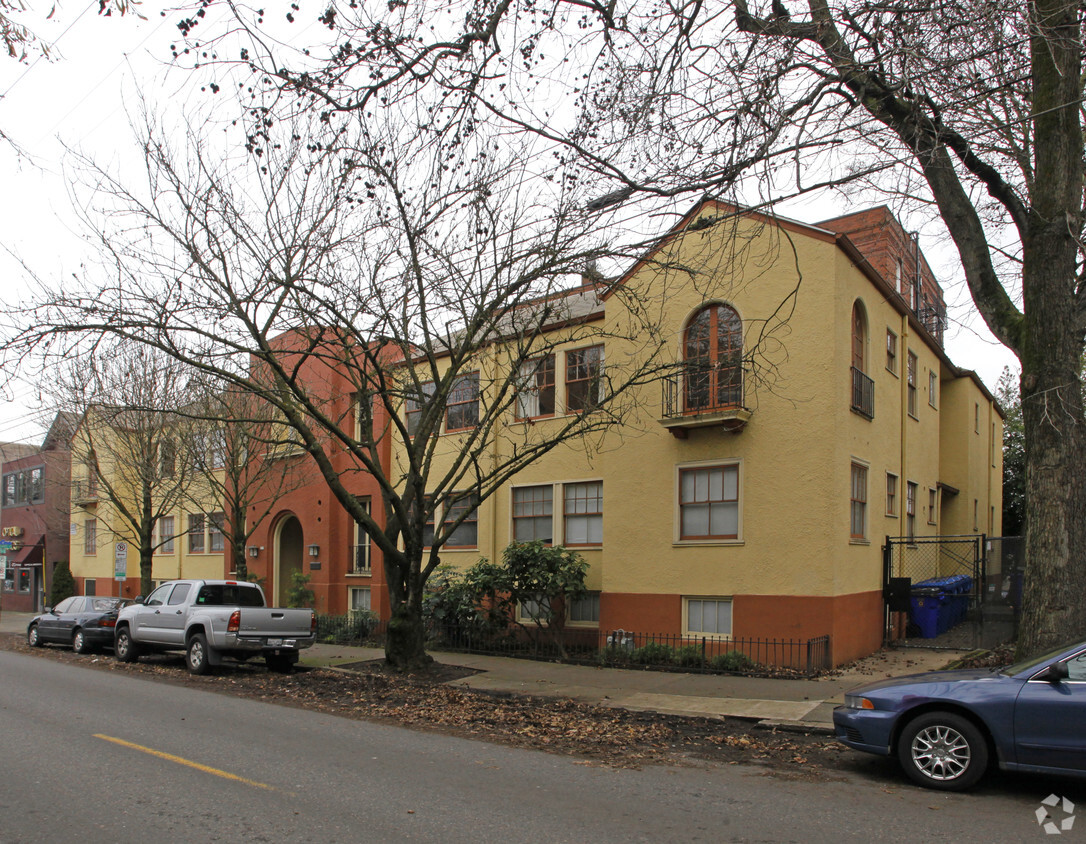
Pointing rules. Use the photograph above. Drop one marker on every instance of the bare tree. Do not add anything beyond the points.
(129, 440)
(968, 113)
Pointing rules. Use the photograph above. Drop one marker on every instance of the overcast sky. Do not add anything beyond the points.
(83, 99)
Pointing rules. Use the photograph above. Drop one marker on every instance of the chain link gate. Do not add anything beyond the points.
(954, 592)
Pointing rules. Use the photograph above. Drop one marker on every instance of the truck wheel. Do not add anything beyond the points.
(197, 655)
(124, 648)
(279, 664)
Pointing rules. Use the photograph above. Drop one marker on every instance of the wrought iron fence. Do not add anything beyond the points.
(616, 648)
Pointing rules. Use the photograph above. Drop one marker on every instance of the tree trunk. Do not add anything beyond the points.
(405, 643)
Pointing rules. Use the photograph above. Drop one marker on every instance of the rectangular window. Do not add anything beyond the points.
(215, 524)
(910, 509)
(90, 536)
(167, 458)
(9, 489)
(360, 600)
(90, 587)
(858, 502)
(533, 514)
(891, 351)
(582, 511)
(911, 372)
(360, 556)
(535, 388)
(534, 610)
(24, 580)
(466, 534)
(584, 379)
(933, 388)
(709, 502)
(414, 406)
(36, 485)
(165, 530)
(462, 410)
(585, 610)
(196, 533)
(891, 494)
(708, 616)
(933, 505)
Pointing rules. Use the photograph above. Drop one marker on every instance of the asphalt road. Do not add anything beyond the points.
(93, 757)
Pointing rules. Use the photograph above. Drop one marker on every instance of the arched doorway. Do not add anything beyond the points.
(288, 556)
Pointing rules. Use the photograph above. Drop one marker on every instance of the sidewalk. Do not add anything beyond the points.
(803, 703)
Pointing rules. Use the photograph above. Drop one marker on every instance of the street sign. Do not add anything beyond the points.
(120, 561)
(5, 545)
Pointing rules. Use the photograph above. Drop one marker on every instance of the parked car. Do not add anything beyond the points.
(213, 620)
(86, 622)
(946, 727)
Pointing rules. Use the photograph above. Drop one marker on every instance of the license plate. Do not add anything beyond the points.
(275, 643)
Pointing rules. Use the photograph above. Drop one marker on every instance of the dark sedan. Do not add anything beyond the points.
(85, 622)
(946, 727)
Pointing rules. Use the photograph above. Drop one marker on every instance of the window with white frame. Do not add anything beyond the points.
(910, 373)
(360, 600)
(858, 502)
(707, 616)
(709, 502)
(215, 524)
(533, 513)
(891, 494)
(891, 351)
(164, 533)
(582, 512)
(466, 534)
(585, 610)
(535, 388)
(360, 552)
(910, 509)
(933, 387)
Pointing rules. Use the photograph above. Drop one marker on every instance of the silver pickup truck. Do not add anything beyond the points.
(210, 620)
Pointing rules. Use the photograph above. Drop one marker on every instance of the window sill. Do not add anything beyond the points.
(582, 625)
(892, 515)
(854, 541)
(695, 543)
(366, 574)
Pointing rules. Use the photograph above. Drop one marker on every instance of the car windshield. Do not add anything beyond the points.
(1027, 664)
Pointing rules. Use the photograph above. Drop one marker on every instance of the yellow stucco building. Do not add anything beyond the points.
(804, 411)
(118, 456)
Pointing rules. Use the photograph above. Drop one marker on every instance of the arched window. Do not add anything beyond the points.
(713, 358)
(863, 388)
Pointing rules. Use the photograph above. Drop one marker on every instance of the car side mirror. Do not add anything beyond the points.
(139, 599)
(1054, 673)
(48, 610)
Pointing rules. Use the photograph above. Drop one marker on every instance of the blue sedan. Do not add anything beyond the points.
(947, 726)
(86, 622)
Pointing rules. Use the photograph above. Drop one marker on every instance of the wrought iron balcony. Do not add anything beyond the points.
(934, 320)
(84, 491)
(863, 394)
(699, 398)
(360, 559)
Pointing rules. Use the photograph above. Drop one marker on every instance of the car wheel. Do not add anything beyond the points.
(943, 751)
(197, 656)
(124, 648)
(32, 637)
(79, 643)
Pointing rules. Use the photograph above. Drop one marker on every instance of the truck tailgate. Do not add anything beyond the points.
(274, 621)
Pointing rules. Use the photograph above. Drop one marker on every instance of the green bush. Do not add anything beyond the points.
(63, 585)
(300, 594)
(690, 656)
(653, 653)
(732, 661)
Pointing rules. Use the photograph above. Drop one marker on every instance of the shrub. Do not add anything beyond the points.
(300, 594)
(732, 661)
(652, 653)
(690, 656)
(63, 585)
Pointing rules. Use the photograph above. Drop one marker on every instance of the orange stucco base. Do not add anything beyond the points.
(854, 622)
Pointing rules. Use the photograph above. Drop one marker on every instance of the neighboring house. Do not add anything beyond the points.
(811, 413)
(308, 531)
(125, 466)
(808, 411)
(34, 518)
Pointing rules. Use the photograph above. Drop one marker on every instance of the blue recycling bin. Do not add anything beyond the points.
(927, 605)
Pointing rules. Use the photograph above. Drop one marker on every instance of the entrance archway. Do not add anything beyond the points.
(288, 557)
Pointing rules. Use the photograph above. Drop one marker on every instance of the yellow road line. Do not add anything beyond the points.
(181, 761)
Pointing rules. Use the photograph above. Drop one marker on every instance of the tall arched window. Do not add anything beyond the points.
(863, 388)
(713, 358)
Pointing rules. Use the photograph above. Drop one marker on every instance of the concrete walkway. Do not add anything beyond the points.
(802, 703)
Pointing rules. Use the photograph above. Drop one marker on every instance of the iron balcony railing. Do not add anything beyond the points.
(360, 559)
(863, 394)
(84, 491)
(693, 391)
